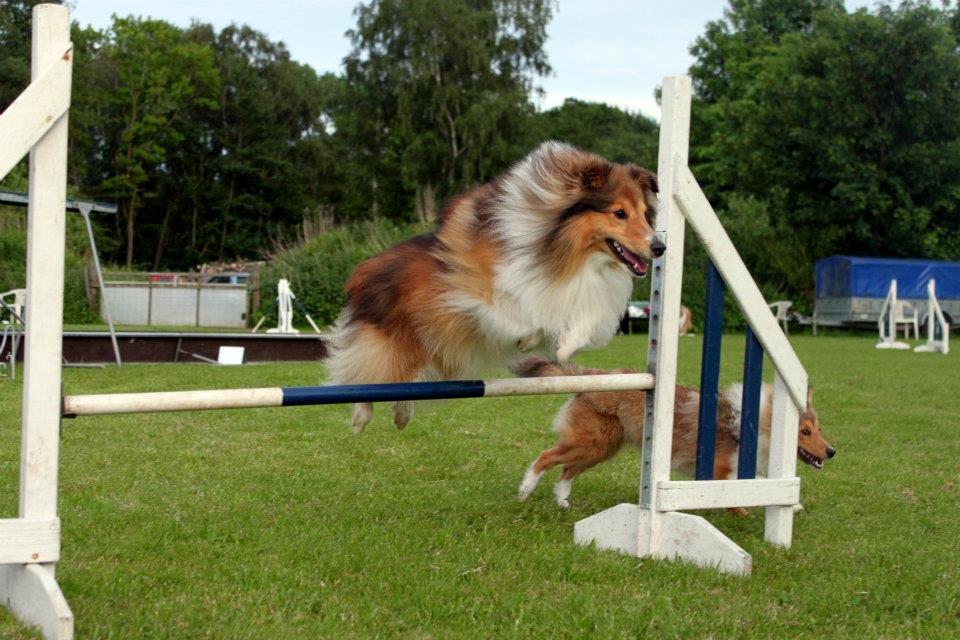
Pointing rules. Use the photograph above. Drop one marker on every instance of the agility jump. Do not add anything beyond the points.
(654, 526)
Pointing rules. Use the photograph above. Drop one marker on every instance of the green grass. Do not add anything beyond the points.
(280, 523)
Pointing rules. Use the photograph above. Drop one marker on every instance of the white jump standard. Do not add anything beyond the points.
(655, 527)
(938, 329)
(887, 322)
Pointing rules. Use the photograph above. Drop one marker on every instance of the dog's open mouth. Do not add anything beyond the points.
(636, 264)
(810, 459)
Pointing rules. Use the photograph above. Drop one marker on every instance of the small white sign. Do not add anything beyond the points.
(230, 355)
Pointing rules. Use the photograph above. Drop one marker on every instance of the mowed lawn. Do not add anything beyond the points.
(281, 523)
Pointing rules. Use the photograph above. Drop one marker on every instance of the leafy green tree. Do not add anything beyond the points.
(152, 76)
(15, 30)
(442, 86)
(613, 133)
(819, 132)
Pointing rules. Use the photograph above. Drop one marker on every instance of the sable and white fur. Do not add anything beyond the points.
(546, 251)
(592, 427)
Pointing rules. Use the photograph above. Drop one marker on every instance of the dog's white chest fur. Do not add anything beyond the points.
(581, 311)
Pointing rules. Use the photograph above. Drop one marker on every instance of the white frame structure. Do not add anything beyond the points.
(30, 544)
(887, 322)
(36, 122)
(935, 321)
(656, 527)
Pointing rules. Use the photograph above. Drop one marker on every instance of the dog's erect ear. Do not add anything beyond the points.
(646, 179)
(593, 175)
(809, 396)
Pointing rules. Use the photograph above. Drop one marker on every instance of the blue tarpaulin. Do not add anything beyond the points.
(852, 277)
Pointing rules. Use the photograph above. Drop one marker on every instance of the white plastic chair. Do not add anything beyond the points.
(16, 299)
(780, 308)
(906, 314)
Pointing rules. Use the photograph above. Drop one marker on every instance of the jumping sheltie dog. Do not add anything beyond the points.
(546, 251)
(593, 426)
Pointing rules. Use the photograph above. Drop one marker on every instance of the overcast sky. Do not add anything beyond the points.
(613, 51)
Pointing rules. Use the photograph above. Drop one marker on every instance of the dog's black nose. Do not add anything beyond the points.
(831, 452)
(657, 247)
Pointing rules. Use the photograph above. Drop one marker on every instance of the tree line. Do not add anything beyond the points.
(815, 130)
(217, 144)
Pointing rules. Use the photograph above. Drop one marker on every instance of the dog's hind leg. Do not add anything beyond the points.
(362, 413)
(545, 461)
(402, 413)
(563, 487)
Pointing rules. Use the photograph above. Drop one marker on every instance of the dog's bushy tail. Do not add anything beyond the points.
(540, 367)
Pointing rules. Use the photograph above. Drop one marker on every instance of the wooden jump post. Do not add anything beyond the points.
(655, 527)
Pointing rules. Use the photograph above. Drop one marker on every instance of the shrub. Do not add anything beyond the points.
(13, 264)
(318, 269)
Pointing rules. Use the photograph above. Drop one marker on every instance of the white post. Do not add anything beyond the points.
(45, 259)
(30, 590)
(631, 528)
(664, 311)
(778, 526)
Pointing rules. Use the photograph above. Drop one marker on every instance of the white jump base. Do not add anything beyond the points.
(653, 527)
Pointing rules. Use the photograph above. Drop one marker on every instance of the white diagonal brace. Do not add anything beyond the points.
(37, 109)
(704, 222)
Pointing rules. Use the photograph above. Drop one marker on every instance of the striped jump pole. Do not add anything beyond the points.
(89, 405)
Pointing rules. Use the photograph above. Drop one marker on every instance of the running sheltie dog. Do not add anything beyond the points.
(593, 426)
(546, 251)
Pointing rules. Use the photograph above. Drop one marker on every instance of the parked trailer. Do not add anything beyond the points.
(850, 290)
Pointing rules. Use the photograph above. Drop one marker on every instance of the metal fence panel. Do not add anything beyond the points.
(193, 305)
(223, 307)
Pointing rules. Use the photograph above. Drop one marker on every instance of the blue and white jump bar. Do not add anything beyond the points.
(89, 405)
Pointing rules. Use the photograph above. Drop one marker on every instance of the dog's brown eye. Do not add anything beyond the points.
(621, 214)
(806, 432)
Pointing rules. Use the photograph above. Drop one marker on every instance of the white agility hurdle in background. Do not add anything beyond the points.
(30, 543)
(887, 322)
(938, 329)
(285, 300)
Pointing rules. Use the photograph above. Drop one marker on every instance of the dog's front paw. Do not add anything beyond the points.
(563, 503)
(529, 343)
(362, 414)
(797, 507)
(402, 414)
(564, 355)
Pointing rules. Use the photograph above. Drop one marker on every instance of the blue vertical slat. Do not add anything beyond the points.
(710, 373)
(750, 410)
